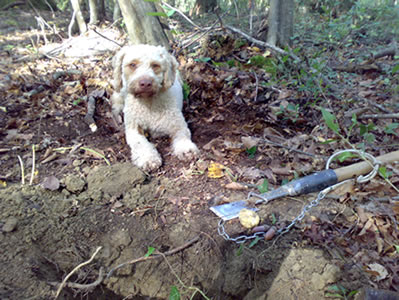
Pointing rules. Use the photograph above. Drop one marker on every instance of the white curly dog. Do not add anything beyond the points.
(147, 87)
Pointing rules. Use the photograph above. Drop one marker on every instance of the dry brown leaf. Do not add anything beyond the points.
(235, 186)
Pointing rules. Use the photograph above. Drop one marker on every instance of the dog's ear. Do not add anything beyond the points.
(170, 71)
(117, 65)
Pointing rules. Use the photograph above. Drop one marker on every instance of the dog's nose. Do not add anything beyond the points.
(145, 83)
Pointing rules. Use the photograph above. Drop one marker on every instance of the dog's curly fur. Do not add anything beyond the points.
(147, 87)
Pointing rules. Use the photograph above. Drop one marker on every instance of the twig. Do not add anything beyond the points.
(291, 149)
(87, 286)
(154, 256)
(182, 14)
(32, 175)
(21, 164)
(71, 24)
(380, 116)
(261, 43)
(257, 87)
(103, 36)
(196, 39)
(74, 270)
(96, 153)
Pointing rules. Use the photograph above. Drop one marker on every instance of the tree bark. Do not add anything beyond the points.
(281, 22)
(93, 12)
(142, 28)
(101, 9)
(117, 11)
(203, 6)
(273, 22)
(79, 16)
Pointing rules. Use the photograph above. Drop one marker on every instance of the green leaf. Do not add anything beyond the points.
(264, 187)
(203, 59)
(186, 90)
(397, 248)
(77, 101)
(157, 14)
(344, 156)
(251, 151)
(395, 69)
(274, 219)
(254, 242)
(150, 251)
(240, 250)
(389, 129)
(330, 120)
(174, 293)
(352, 293)
(384, 173)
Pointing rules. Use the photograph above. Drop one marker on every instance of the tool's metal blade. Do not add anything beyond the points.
(231, 210)
(269, 196)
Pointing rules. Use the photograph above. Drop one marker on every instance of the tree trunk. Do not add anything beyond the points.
(203, 6)
(117, 11)
(93, 12)
(142, 28)
(101, 9)
(273, 22)
(281, 22)
(79, 16)
(286, 29)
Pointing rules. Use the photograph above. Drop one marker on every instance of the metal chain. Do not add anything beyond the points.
(243, 238)
(239, 239)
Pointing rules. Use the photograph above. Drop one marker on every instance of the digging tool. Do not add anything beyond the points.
(308, 184)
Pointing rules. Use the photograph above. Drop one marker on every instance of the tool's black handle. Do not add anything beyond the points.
(311, 183)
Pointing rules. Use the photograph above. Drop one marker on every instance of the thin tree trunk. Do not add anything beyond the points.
(273, 22)
(117, 11)
(286, 28)
(93, 12)
(79, 16)
(281, 22)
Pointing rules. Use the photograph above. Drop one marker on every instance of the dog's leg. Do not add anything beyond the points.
(144, 154)
(182, 145)
(117, 103)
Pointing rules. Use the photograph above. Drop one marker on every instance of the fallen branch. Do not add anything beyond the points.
(390, 51)
(182, 14)
(11, 5)
(380, 116)
(154, 256)
(261, 43)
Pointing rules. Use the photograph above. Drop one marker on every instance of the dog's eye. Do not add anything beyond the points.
(156, 67)
(133, 65)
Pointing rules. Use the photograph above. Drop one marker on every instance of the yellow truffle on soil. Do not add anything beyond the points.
(248, 218)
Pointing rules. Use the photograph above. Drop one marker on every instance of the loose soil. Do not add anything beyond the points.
(77, 202)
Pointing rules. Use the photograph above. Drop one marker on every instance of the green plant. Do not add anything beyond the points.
(251, 151)
(338, 291)
(290, 111)
(264, 187)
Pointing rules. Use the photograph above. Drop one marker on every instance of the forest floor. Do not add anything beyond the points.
(85, 193)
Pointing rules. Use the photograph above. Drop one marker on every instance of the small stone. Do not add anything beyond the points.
(77, 162)
(10, 224)
(74, 183)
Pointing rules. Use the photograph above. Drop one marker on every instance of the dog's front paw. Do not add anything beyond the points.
(185, 150)
(148, 162)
